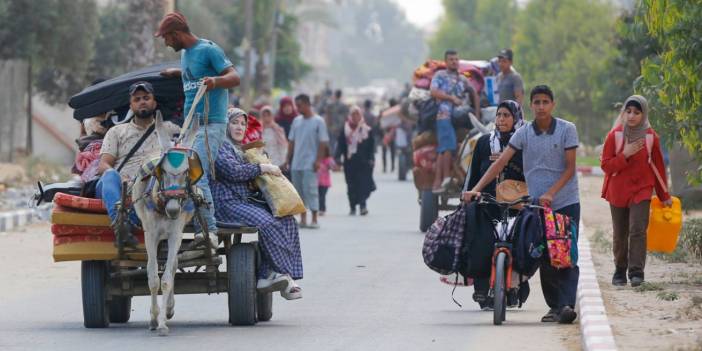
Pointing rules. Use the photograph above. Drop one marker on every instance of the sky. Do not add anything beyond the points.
(421, 12)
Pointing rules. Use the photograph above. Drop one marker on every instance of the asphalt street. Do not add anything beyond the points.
(365, 288)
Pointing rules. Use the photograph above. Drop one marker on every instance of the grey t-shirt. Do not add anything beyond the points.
(508, 84)
(544, 159)
(307, 133)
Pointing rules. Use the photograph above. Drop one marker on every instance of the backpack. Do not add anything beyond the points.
(443, 243)
(619, 147)
(528, 243)
(561, 232)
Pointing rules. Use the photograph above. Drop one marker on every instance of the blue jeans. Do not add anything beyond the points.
(560, 286)
(109, 189)
(216, 134)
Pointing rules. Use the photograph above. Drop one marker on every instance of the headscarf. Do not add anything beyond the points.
(282, 116)
(355, 134)
(232, 113)
(279, 131)
(499, 140)
(638, 132)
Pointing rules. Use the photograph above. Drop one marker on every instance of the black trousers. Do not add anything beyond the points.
(560, 286)
(323, 198)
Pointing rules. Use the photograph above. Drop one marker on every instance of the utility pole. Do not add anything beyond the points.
(246, 43)
(274, 44)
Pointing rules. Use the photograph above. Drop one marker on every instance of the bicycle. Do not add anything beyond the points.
(501, 273)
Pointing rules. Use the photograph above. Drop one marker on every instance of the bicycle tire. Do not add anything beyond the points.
(499, 304)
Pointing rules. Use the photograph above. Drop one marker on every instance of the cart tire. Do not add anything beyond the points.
(500, 305)
(120, 309)
(241, 269)
(264, 307)
(94, 289)
(429, 210)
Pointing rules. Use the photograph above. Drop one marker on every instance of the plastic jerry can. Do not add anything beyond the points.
(664, 226)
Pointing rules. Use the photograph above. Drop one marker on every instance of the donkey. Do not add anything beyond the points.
(164, 198)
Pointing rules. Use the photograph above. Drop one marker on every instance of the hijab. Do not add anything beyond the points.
(638, 132)
(279, 131)
(233, 113)
(355, 134)
(499, 140)
(282, 116)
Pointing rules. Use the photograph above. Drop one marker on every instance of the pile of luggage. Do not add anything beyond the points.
(421, 107)
(81, 229)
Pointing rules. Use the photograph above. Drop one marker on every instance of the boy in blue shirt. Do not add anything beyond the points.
(202, 63)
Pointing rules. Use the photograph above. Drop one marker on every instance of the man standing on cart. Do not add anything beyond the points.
(202, 62)
(450, 89)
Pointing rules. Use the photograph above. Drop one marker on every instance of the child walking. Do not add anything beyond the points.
(633, 165)
(324, 180)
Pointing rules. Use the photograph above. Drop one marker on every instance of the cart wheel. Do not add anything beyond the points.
(94, 288)
(241, 269)
(264, 306)
(429, 210)
(500, 305)
(120, 309)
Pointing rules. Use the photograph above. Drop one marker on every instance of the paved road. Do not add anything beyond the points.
(365, 288)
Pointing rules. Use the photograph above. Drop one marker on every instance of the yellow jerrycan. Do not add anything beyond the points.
(664, 226)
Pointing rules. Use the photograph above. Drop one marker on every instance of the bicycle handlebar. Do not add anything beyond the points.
(487, 198)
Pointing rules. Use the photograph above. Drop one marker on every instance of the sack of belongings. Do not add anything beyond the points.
(279, 193)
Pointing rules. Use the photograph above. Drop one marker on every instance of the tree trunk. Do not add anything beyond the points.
(274, 45)
(30, 111)
(248, 43)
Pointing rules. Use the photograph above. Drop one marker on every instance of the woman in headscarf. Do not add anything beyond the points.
(279, 241)
(508, 119)
(355, 148)
(286, 113)
(274, 137)
(633, 165)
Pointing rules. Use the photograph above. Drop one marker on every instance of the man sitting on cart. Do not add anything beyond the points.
(117, 166)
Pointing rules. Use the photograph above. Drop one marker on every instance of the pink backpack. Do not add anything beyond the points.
(561, 231)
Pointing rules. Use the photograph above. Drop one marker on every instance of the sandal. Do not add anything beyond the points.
(292, 291)
(274, 282)
(551, 316)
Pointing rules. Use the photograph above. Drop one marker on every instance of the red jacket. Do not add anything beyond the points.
(630, 181)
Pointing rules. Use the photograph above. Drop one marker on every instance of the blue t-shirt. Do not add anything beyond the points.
(204, 59)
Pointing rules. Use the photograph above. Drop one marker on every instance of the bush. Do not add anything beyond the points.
(690, 240)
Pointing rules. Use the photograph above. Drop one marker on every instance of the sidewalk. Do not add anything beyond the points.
(664, 314)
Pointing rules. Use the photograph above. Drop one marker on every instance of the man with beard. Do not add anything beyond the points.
(202, 62)
(118, 143)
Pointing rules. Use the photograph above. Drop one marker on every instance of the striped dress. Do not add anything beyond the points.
(279, 238)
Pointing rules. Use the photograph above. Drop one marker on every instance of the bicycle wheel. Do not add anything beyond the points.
(500, 304)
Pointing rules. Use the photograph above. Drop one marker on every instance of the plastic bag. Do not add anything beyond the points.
(279, 193)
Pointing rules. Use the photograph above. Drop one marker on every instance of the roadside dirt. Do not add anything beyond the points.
(667, 313)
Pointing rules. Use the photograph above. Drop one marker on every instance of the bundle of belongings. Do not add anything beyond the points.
(81, 230)
(463, 243)
(279, 194)
(422, 108)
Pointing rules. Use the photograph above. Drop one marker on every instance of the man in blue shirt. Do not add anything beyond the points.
(202, 62)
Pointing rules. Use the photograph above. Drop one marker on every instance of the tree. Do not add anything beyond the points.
(565, 44)
(672, 80)
(38, 32)
(478, 29)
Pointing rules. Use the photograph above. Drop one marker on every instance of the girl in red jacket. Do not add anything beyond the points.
(633, 165)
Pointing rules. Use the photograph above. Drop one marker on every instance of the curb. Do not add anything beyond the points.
(14, 219)
(595, 329)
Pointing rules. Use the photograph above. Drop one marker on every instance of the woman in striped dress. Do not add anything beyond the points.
(279, 239)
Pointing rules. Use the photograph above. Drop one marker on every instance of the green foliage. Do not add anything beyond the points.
(38, 32)
(565, 44)
(649, 286)
(478, 29)
(668, 295)
(672, 80)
